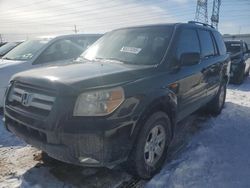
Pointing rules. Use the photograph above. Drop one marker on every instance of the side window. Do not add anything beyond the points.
(188, 42)
(220, 43)
(60, 50)
(207, 46)
(84, 42)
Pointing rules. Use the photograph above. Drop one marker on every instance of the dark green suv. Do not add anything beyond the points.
(121, 100)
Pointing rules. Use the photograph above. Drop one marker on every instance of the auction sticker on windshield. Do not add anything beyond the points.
(132, 50)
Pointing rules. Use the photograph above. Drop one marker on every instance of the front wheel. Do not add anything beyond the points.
(216, 105)
(150, 151)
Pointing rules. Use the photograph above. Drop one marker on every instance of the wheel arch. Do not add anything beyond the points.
(166, 103)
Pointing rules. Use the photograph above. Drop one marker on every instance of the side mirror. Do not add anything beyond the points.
(188, 59)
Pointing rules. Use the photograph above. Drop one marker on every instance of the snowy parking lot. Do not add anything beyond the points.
(207, 152)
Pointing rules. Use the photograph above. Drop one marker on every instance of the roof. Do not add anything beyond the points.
(191, 23)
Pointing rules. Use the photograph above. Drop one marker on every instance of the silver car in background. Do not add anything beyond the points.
(43, 51)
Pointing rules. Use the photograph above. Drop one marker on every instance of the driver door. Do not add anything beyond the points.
(192, 88)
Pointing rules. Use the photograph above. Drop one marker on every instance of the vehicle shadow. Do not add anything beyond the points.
(185, 130)
(52, 173)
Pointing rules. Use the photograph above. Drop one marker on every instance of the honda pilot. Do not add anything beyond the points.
(120, 102)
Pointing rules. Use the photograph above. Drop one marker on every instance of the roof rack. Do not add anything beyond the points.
(200, 23)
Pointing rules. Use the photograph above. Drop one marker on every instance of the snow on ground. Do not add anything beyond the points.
(21, 166)
(219, 155)
(207, 152)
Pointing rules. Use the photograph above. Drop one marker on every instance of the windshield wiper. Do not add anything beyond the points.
(80, 59)
(112, 59)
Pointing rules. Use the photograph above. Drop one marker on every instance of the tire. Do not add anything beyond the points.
(240, 78)
(247, 74)
(216, 105)
(150, 150)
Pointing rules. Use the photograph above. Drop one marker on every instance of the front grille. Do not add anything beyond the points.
(31, 99)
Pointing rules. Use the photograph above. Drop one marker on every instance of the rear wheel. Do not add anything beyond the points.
(216, 105)
(150, 151)
(240, 77)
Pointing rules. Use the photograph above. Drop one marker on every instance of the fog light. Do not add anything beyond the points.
(88, 160)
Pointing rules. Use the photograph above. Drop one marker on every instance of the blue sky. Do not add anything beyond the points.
(22, 19)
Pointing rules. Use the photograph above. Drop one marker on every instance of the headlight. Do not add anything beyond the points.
(98, 103)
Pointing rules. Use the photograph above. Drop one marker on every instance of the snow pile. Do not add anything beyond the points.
(219, 155)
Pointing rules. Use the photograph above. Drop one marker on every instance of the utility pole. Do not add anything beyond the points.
(75, 30)
(216, 13)
(201, 11)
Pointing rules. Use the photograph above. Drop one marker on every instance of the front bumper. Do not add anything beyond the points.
(72, 142)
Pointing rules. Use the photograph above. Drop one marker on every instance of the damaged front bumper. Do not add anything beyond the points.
(93, 147)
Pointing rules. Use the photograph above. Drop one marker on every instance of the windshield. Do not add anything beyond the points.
(233, 47)
(26, 50)
(142, 46)
(7, 47)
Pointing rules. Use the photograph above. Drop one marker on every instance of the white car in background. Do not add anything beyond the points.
(43, 51)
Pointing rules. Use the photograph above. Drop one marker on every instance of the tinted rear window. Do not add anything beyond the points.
(233, 47)
(220, 43)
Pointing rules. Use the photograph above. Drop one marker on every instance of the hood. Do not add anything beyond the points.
(9, 63)
(83, 76)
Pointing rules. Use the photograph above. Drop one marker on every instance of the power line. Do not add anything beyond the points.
(117, 15)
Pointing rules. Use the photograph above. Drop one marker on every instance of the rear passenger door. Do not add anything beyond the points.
(211, 62)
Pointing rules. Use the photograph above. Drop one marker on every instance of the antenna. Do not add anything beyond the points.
(216, 13)
(201, 11)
